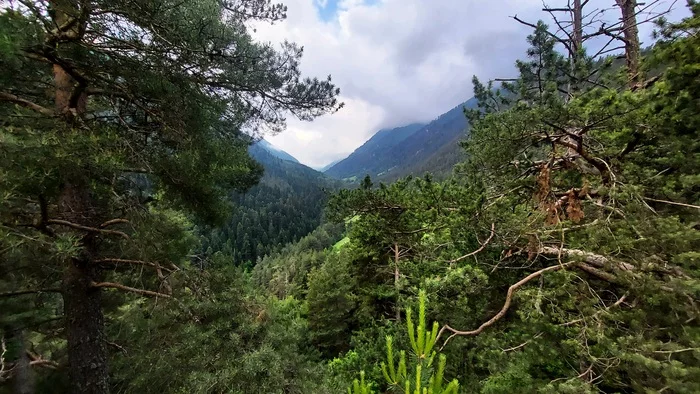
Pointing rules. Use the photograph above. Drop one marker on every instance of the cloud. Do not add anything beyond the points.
(396, 61)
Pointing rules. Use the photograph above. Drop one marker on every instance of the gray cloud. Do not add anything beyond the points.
(397, 61)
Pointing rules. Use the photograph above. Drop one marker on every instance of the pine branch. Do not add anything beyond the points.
(30, 291)
(87, 228)
(132, 262)
(593, 259)
(483, 246)
(143, 292)
(4, 96)
(38, 361)
(607, 308)
(504, 309)
(113, 221)
(680, 204)
(116, 346)
(510, 349)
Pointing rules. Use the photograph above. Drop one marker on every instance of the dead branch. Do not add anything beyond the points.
(113, 222)
(30, 291)
(86, 228)
(483, 246)
(680, 204)
(4, 96)
(143, 292)
(563, 42)
(510, 349)
(132, 262)
(607, 308)
(596, 260)
(38, 361)
(116, 346)
(504, 309)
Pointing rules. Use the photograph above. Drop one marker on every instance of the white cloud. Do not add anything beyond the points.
(396, 61)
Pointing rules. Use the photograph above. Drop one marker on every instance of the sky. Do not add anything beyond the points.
(398, 61)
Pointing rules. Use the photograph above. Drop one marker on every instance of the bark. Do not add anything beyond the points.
(23, 379)
(577, 16)
(84, 318)
(631, 38)
(87, 355)
(397, 276)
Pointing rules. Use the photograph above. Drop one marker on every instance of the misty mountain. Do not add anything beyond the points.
(273, 150)
(371, 158)
(412, 149)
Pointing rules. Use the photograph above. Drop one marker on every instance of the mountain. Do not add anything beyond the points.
(283, 207)
(273, 150)
(370, 158)
(327, 166)
(411, 149)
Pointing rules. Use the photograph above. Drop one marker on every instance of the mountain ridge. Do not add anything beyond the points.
(408, 150)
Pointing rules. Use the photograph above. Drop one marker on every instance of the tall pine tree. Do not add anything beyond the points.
(116, 115)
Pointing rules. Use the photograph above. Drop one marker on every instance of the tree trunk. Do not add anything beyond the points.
(397, 276)
(577, 18)
(87, 354)
(84, 319)
(23, 375)
(630, 32)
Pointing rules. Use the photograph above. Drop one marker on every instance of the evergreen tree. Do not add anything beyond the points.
(124, 113)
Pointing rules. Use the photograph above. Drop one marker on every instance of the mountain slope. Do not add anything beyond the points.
(414, 149)
(329, 165)
(370, 158)
(283, 207)
(273, 150)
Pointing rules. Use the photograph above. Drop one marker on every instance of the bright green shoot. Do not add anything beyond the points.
(422, 340)
(425, 379)
(360, 386)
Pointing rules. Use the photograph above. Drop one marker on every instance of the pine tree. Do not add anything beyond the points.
(125, 113)
(423, 378)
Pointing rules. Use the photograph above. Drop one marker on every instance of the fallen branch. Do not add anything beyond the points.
(86, 228)
(483, 246)
(600, 274)
(504, 309)
(112, 285)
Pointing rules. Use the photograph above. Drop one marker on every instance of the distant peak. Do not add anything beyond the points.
(275, 151)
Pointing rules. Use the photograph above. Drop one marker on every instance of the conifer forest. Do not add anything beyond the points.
(542, 237)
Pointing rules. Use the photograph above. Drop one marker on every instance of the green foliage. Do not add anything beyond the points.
(331, 305)
(285, 206)
(130, 122)
(221, 335)
(359, 386)
(426, 379)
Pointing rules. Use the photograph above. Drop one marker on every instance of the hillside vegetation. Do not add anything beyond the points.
(141, 247)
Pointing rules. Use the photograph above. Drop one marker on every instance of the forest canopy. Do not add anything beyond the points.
(562, 255)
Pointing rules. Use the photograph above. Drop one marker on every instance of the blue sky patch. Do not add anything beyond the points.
(328, 9)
